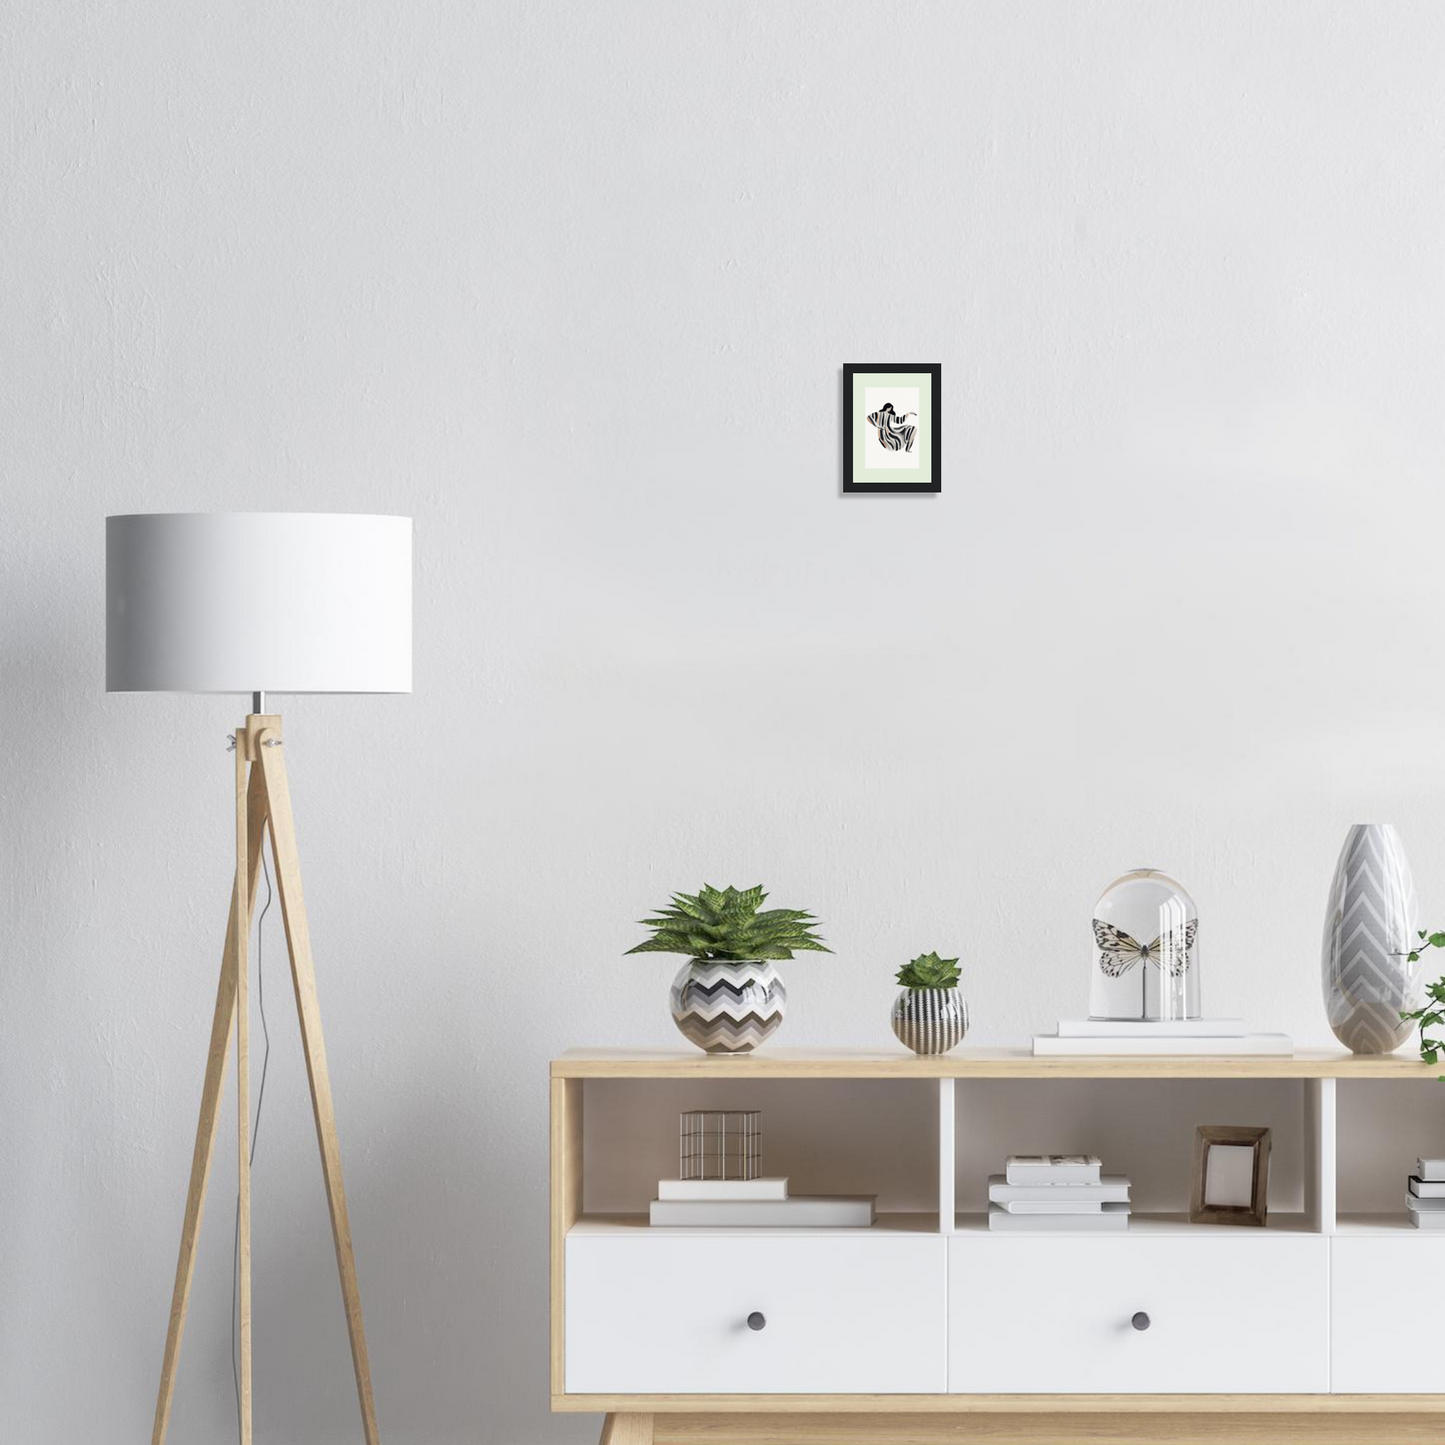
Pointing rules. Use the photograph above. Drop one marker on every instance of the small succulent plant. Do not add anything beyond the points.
(729, 925)
(928, 970)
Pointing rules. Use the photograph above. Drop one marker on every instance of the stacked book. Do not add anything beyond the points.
(765, 1203)
(1141, 1038)
(1039, 1192)
(1425, 1196)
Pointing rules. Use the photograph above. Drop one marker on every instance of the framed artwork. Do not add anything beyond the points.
(890, 427)
(1231, 1175)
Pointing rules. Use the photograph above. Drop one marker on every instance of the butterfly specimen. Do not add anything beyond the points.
(1118, 952)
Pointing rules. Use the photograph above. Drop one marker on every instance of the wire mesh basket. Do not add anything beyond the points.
(720, 1144)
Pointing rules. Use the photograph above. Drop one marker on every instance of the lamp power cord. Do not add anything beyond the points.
(256, 1125)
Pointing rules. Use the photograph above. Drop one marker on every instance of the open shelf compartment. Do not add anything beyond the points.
(1143, 1130)
(1383, 1127)
(827, 1136)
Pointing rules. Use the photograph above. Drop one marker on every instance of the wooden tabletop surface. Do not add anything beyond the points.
(976, 1063)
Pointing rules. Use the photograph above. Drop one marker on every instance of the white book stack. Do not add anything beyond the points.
(722, 1191)
(1152, 1028)
(1051, 1192)
(757, 1203)
(1425, 1194)
(1140, 1038)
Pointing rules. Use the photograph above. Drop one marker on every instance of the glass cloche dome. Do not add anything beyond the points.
(1146, 954)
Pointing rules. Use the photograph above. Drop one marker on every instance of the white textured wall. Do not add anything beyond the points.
(572, 285)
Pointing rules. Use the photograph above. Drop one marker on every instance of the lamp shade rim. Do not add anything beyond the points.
(269, 691)
(137, 516)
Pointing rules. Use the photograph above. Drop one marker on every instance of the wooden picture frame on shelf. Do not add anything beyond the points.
(1220, 1195)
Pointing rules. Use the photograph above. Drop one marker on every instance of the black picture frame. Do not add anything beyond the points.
(934, 481)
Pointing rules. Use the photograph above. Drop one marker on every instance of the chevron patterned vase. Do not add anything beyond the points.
(728, 1008)
(930, 1020)
(1369, 928)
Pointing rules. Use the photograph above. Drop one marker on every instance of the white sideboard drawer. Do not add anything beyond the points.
(650, 1312)
(1237, 1315)
(1377, 1347)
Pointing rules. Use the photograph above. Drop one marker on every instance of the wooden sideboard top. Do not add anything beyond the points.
(975, 1063)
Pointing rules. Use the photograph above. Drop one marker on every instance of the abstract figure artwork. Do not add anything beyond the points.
(893, 434)
(891, 427)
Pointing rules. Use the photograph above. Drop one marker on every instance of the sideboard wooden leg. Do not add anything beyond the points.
(627, 1430)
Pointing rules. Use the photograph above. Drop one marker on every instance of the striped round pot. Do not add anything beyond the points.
(930, 1020)
(728, 1008)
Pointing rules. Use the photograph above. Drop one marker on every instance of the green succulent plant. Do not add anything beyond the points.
(728, 925)
(928, 970)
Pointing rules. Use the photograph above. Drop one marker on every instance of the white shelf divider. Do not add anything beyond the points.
(1321, 1169)
(946, 1148)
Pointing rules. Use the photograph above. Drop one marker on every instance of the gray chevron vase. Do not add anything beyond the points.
(728, 1008)
(1369, 928)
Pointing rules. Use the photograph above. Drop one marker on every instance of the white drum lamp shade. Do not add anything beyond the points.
(256, 602)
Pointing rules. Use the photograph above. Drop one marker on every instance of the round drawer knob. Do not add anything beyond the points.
(757, 1320)
(1141, 1321)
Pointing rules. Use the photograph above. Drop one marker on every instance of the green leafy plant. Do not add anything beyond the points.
(729, 925)
(928, 970)
(1433, 1014)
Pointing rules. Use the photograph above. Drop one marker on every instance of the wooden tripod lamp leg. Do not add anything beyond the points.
(210, 1104)
(242, 933)
(303, 977)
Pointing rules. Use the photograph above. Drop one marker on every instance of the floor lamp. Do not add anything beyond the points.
(254, 603)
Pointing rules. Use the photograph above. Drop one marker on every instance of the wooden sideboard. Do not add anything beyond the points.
(927, 1327)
